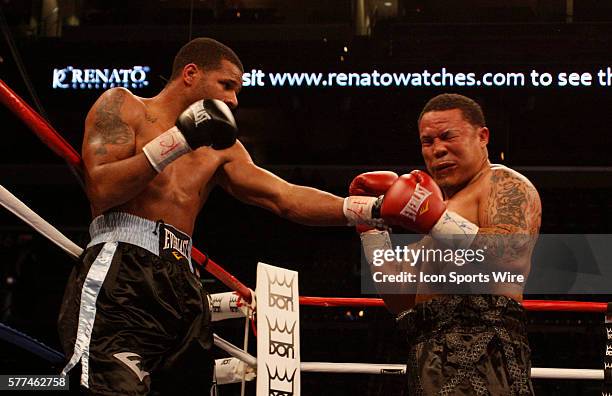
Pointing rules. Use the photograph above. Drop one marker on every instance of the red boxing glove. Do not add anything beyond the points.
(414, 202)
(371, 184)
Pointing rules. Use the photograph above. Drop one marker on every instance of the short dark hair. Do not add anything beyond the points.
(471, 110)
(206, 53)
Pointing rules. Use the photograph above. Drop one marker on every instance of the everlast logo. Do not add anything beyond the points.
(280, 385)
(173, 244)
(281, 292)
(200, 114)
(419, 196)
(171, 241)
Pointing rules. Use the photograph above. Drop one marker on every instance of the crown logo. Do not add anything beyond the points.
(280, 292)
(215, 302)
(280, 385)
(281, 339)
(233, 303)
(608, 350)
(607, 366)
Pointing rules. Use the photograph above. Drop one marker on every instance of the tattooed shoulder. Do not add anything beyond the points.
(513, 202)
(152, 119)
(109, 127)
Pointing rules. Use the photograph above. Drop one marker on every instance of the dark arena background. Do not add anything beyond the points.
(550, 125)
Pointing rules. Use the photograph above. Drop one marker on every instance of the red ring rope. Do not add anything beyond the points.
(529, 305)
(39, 126)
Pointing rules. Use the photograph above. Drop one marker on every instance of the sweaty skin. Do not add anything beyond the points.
(499, 200)
(120, 178)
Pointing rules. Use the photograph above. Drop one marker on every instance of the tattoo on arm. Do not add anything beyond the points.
(109, 128)
(514, 204)
(514, 213)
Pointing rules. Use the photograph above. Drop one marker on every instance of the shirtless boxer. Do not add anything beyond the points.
(134, 314)
(461, 344)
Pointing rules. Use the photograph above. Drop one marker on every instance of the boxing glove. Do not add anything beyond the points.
(205, 123)
(373, 184)
(415, 202)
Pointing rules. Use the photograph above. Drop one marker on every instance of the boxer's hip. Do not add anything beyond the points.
(469, 312)
(467, 344)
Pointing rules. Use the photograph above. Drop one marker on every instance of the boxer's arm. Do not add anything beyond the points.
(251, 184)
(398, 296)
(114, 172)
(510, 218)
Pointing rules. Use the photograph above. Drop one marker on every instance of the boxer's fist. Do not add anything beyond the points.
(414, 202)
(208, 123)
(372, 184)
(205, 123)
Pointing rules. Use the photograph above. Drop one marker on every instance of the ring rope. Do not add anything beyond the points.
(529, 305)
(375, 368)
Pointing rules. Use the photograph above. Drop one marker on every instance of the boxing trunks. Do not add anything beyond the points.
(134, 314)
(467, 345)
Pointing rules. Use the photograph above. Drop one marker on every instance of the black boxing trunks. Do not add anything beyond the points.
(134, 314)
(467, 345)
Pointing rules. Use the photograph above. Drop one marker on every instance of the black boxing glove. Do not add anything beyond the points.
(205, 123)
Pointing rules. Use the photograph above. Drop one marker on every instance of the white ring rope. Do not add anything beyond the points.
(373, 368)
(21, 210)
(235, 351)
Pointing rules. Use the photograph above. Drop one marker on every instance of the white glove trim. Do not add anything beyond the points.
(454, 230)
(166, 148)
(358, 210)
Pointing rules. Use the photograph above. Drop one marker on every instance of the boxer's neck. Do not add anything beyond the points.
(450, 191)
(172, 100)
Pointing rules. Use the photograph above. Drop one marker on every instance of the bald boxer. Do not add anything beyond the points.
(461, 344)
(134, 313)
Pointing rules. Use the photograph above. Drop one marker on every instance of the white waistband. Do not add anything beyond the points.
(127, 228)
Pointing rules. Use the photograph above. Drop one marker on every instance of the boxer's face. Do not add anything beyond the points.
(223, 83)
(453, 149)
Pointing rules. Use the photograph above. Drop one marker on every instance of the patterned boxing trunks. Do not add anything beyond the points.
(467, 345)
(134, 314)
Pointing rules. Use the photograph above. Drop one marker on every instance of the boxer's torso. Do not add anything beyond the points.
(178, 193)
(472, 203)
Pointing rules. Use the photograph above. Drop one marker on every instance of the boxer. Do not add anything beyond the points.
(134, 315)
(461, 344)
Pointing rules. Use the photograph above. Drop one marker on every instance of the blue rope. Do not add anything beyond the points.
(30, 344)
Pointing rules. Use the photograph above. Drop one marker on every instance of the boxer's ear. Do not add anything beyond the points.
(483, 135)
(190, 72)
